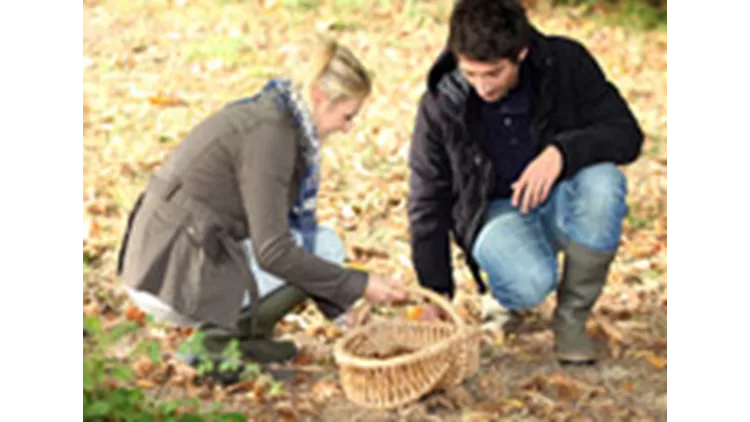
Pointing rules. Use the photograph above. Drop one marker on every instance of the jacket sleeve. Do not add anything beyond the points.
(609, 130)
(429, 202)
(265, 173)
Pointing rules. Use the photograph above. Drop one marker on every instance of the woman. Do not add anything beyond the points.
(225, 237)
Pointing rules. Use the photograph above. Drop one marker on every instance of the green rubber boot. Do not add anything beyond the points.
(216, 341)
(584, 274)
(257, 343)
(272, 309)
(254, 340)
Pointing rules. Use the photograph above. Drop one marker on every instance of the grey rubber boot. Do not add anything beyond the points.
(584, 274)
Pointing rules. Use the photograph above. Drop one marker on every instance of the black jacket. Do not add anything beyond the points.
(574, 107)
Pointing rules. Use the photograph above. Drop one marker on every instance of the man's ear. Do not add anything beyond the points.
(522, 54)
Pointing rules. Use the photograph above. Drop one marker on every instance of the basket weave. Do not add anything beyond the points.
(438, 355)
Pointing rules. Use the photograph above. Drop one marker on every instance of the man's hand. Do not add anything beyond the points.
(384, 290)
(537, 179)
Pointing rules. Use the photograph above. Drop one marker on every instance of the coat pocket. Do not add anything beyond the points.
(205, 235)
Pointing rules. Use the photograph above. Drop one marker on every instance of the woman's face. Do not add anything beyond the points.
(331, 117)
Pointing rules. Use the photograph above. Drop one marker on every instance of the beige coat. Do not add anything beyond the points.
(235, 175)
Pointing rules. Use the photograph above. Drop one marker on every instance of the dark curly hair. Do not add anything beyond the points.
(488, 30)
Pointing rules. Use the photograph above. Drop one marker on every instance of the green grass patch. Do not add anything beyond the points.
(639, 223)
(229, 49)
(108, 390)
(301, 4)
(635, 14)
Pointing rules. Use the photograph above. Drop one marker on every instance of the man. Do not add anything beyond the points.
(515, 155)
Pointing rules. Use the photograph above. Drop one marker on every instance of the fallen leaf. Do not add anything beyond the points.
(145, 383)
(512, 403)
(323, 390)
(476, 416)
(578, 418)
(609, 329)
(92, 309)
(567, 389)
(307, 407)
(97, 208)
(303, 358)
(505, 405)
(656, 361)
(333, 332)
(560, 385)
(414, 313)
(143, 366)
(659, 345)
(219, 393)
(91, 229)
(133, 313)
(315, 330)
(166, 101)
(286, 411)
(240, 386)
(166, 374)
(364, 253)
(648, 355)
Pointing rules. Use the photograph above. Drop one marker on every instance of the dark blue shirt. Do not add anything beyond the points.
(507, 125)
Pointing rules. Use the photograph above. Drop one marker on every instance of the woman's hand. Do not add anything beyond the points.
(385, 290)
(433, 312)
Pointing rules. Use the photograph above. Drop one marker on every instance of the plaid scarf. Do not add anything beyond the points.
(302, 217)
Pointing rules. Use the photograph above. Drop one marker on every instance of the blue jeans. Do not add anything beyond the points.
(324, 243)
(519, 252)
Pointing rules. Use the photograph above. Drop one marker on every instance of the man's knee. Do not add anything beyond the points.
(598, 206)
(522, 282)
(602, 179)
(519, 261)
(526, 291)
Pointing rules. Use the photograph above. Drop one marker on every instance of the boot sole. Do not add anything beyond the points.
(576, 360)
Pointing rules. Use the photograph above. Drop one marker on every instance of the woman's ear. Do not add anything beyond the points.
(317, 96)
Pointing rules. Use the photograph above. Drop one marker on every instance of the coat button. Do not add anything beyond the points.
(477, 159)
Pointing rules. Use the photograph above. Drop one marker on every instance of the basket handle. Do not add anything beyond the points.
(413, 290)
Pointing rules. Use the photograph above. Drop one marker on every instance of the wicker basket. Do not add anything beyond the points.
(389, 363)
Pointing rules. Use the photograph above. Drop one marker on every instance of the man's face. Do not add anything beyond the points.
(493, 79)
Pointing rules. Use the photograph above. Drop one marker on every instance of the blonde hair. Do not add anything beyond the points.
(336, 71)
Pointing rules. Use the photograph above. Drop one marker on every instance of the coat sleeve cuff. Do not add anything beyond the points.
(567, 169)
(351, 290)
